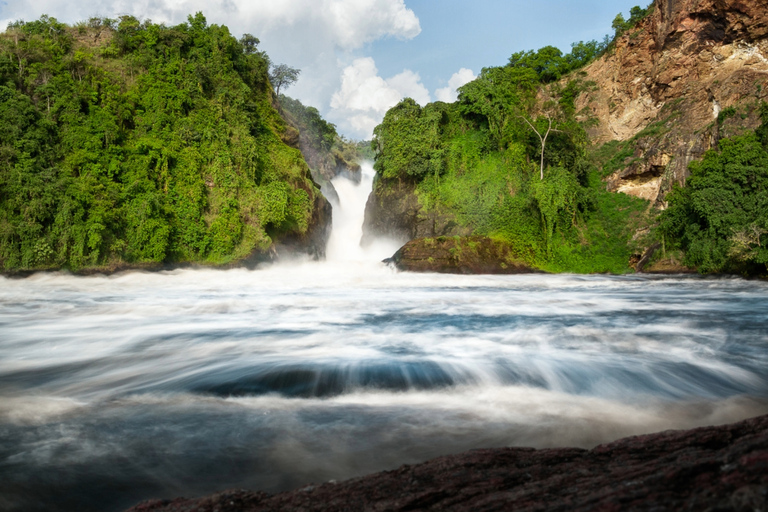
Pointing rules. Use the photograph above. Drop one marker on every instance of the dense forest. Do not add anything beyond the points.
(481, 160)
(131, 143)
(720, 218)
(128, 143)
(511, 159)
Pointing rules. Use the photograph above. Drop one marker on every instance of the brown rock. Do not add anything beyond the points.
(666, 81)
(712, 469)
(393, 210)
(460, 255)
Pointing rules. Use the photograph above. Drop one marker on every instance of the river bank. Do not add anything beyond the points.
(713, 468)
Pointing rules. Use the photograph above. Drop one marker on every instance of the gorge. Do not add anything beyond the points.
(193, 296)
(149, 385)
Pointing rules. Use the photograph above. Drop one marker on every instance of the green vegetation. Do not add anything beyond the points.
(636, 14)
(128, 142)
(509, 160)
(478, 161)
(324, 149)
(720, 218)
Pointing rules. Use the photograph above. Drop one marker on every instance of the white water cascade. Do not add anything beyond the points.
(115, 389)
(344, 243)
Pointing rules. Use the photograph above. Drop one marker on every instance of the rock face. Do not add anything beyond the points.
(691, 73)
(667, 82)
(709, 469)
(315, 239)
(459, 255)
(393, 211)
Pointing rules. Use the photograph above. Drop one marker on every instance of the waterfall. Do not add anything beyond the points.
(348, 215)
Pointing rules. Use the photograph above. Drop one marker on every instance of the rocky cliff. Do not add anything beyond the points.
(692, 72)
(709, 469)
(687, 75)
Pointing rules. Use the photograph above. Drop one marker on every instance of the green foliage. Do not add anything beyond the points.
(549, 64)
(320, 134)
(128, 141)
(282, 75)
(725, 114)
(408, 143)
(497, 99)
(557, 199)
(562, 224)
(477, 162)
(636, 14)
(720, 219)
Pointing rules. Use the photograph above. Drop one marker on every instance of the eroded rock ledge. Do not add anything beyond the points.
(706, 469)
(459, 255)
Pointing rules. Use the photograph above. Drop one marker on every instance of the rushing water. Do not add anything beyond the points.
(117, 389)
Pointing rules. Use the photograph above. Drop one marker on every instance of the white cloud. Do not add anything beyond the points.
(316, 36)
(449, 94)
(364, 97)
(408, 84)
(346, 24)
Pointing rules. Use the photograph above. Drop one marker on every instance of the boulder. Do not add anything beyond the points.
(459, 255)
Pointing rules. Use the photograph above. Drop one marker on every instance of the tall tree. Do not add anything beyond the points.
(283, 75)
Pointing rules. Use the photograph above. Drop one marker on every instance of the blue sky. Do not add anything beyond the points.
(484, 33)
(360, 57)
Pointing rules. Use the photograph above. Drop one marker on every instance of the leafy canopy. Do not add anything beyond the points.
(720, 218)
(128, 141)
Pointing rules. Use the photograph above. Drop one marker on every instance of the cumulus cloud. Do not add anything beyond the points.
(449, 94)
(346, 24)
(316, 36)
(364, 97)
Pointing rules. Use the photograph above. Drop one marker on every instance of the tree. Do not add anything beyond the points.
(498, 95)
(619, 25)
(720, 218)
(636, 14)
(547, 62)
(407, 142)
(283, 75)
(249, 43)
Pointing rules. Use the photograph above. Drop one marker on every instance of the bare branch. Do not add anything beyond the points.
(542, 139)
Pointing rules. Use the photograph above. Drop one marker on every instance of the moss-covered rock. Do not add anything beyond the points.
(460, 255)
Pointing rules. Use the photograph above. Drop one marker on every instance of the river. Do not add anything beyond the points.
(139, 385)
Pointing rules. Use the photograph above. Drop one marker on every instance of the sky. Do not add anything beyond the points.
(358, 58)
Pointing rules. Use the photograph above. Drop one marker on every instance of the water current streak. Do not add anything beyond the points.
(117, 389)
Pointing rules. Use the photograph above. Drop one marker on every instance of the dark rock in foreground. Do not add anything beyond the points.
(459, 255)
(706, 469)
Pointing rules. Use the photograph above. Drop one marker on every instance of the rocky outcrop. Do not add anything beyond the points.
(312, 242)
(692, 72)
(710, 469)
(459, 255)
(306, 131)
(393, 211)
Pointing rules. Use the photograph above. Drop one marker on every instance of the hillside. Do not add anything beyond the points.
(533, 152)
(326, 152)
(132, 144)
(690, 74)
